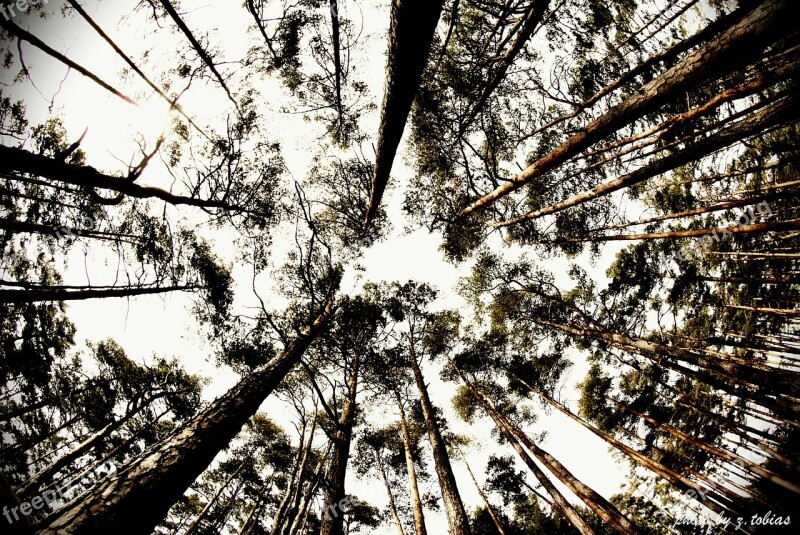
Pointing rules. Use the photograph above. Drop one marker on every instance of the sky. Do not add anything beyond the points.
(151, 325)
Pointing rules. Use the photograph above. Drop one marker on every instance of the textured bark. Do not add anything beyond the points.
(731, 50)
(136, 498)
(413, 485)
(785, 111)
(453, 506)
(411, 32)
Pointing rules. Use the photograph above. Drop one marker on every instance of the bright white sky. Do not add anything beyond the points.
(147, 326)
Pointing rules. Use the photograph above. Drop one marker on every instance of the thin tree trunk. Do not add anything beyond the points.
(139, 496)
(416, 501)
(412, 28)
(559, 501)
(723, 454)
(532, 19)
(392, 507)
(196, 522)
(489, 508)
(784, 111)
(23, 35)
(173, 103)
(453, 506)
(782, 312)
(678, 480)
(715, 207)
(19, 160)
(756, 228)
(337, 58)
(85, 446)
(730, 371)
(605, 510)
(170, 9)
(732, 50)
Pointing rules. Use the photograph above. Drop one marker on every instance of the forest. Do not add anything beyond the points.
(405, 267)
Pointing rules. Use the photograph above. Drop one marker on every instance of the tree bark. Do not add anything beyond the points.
(23, 35)
(44, 294)
(196, 522)
(559, 501)
(412, 28)
(733, 49)
(454, 507)
(170, 9)
(139, 496)
(333, 515)
(784, 111)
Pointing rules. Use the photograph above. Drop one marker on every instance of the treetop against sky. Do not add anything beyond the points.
(421, 264)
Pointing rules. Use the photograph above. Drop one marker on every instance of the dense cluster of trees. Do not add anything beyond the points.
(552, 126)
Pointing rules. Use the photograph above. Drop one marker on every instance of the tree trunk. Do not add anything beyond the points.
(559, 501)
(337, 58)
(730, 371)
(489, 508)
(23, 35)
(412, 28)
(14, 522)
(679, 481)
(783, 111)
(19, 160)
(733, 49)
(193, 526)
(416, 501)
(722, 454)
(755, 228)
(170, 9)
(392, 507)
(453, 506)
(715, 207)
(532, 19)
(32, 485)
(140, 495)
(333, 515)
(44, 294)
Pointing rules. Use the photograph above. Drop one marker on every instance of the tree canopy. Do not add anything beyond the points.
(605, 339)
